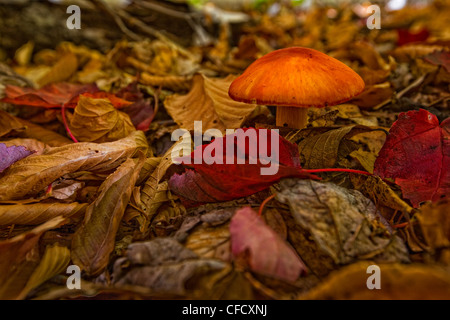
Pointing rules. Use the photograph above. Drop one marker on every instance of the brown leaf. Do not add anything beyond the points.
(37, 213)
(166, 267)
(31, 175)
(334, 225)
(208, 101)
(398, 282)
(96, 120)
(93, 242)
(55, 260)
(20, 256)
(325, 149)
(435, 224)
(9, 124)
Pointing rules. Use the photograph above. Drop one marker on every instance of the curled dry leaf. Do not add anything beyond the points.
(20, 257)
(94, 241)
(208, 101)
(417, 156)
(266, 252)
(31, 175)
(398, 282)
(96, 120)
(330, 225)
(37, 213)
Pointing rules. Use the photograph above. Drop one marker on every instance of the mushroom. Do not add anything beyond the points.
(294, 79)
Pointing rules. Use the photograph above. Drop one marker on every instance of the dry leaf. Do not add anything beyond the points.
(93, 242)
(208, 101)
(31, 175)
(54, 261)
(37, 213)
(336, 226)
(398, 282)
(20, 256)
(96, 120)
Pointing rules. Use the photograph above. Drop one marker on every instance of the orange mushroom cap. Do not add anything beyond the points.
(298, 77)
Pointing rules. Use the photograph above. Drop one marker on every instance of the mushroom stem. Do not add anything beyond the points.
(292, 117)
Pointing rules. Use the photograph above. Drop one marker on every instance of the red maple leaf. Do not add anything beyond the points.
(215, 182)
(416, 155)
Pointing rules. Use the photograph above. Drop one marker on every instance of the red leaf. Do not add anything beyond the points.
(266, 252)
(56, 95)
(406, 36)
(417, 155)
(140, 111)
(9, 155)
(222, 182)
(439, 58)
(51, 96)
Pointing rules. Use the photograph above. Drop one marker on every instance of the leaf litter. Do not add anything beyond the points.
(141, 225)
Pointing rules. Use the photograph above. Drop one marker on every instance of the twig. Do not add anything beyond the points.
(103, 5)
(402, 93)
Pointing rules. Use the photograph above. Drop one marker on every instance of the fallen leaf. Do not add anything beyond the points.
(9, 155)
(93, 242)
(325, 150)
(398, 282)
(202, 182)
(166, 267)
(208, 101)
(434, 221)
(96, 120)
(9, 124)
(266, 252)
(417, 156)
(332, 225)
(20, 257)
(61, 70)
(407, 36)
(51, 96)
(31, 175)
(35, 146)
(55, 260)
(439, 58)
(37, 213)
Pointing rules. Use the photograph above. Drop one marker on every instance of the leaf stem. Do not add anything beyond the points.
(66, 125)
(337, 170)
(261, 208)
